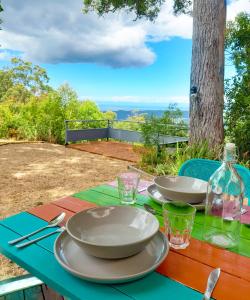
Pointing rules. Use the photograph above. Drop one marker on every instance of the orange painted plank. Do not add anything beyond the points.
(73, 204)
(49, 211)
(194, 274)
(229, 262)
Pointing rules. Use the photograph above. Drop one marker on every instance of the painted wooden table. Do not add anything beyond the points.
(183, 275)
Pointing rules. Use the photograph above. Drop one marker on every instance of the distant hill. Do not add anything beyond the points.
(124, 114)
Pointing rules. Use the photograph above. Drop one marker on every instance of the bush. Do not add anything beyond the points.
(170, 123)
(169, 161)
(237, 114)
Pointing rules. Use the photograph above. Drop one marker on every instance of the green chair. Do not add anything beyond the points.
(204, 168)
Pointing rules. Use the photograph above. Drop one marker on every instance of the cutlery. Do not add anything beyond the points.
(211, 282)
(39, 238)
(54, 222)
(142, 189)
(150, 209)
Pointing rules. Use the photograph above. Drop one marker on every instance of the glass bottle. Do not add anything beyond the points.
(224, 203)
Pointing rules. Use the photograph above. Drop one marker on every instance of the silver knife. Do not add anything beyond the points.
(211, 283)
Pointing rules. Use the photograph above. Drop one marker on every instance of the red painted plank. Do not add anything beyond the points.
(73, 204)
(49, 211)
(194, 274)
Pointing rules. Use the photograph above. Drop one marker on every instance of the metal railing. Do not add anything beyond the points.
(107, 129)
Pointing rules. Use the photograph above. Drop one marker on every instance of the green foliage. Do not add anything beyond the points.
(148, 9)
(132, 123)
(237, 113)
(170, 160)
(30, 109)
(22, 79)
(182, 6)
(170, 123)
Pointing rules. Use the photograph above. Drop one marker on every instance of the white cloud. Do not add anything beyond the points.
(57, 31)
(237, 6)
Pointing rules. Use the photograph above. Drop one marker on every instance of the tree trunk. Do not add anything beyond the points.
(207, 72)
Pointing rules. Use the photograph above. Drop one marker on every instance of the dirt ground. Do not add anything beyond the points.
(123, 151)
(37, 173)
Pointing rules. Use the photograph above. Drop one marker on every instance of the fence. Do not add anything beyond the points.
(107, 131)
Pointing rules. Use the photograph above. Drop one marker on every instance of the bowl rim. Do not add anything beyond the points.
(113, 245)
(177, 176)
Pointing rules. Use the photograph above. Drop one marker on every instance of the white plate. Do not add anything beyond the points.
(159, 198)
(73, 258)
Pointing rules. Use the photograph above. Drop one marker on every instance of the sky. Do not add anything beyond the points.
(106, 59)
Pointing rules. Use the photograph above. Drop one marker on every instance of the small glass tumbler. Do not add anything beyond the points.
(127, 187)
(178, 221)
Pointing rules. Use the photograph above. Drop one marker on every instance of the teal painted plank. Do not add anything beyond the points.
(155, 286)
(42, 264)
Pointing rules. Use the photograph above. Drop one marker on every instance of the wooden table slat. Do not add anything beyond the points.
(49, 211)
(206, 257)
(195, 274)
(73, 204)
(42, 264)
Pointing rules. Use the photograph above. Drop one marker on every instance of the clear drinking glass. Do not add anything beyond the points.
(178, 221)
(127, 187)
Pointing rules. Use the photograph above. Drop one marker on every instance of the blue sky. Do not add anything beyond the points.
(167, 76)
(105, 59)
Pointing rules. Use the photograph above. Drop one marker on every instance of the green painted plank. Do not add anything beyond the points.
(107, 192)
(243, 248)
(100, 193)
(42, 264)
(96, 197)
(141, 199)
(102, 199)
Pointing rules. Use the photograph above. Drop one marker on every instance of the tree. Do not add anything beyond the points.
(207, 71)
(237, 114)
(67, 93)
(22, 79)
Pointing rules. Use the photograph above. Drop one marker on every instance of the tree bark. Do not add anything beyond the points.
(207, 72)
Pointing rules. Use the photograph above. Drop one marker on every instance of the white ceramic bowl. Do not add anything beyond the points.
(182, 188)
(112, 231)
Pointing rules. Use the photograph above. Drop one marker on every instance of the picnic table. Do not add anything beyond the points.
(183, 274)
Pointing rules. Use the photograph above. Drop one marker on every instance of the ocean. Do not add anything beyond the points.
(124, 114)
(124, 110)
